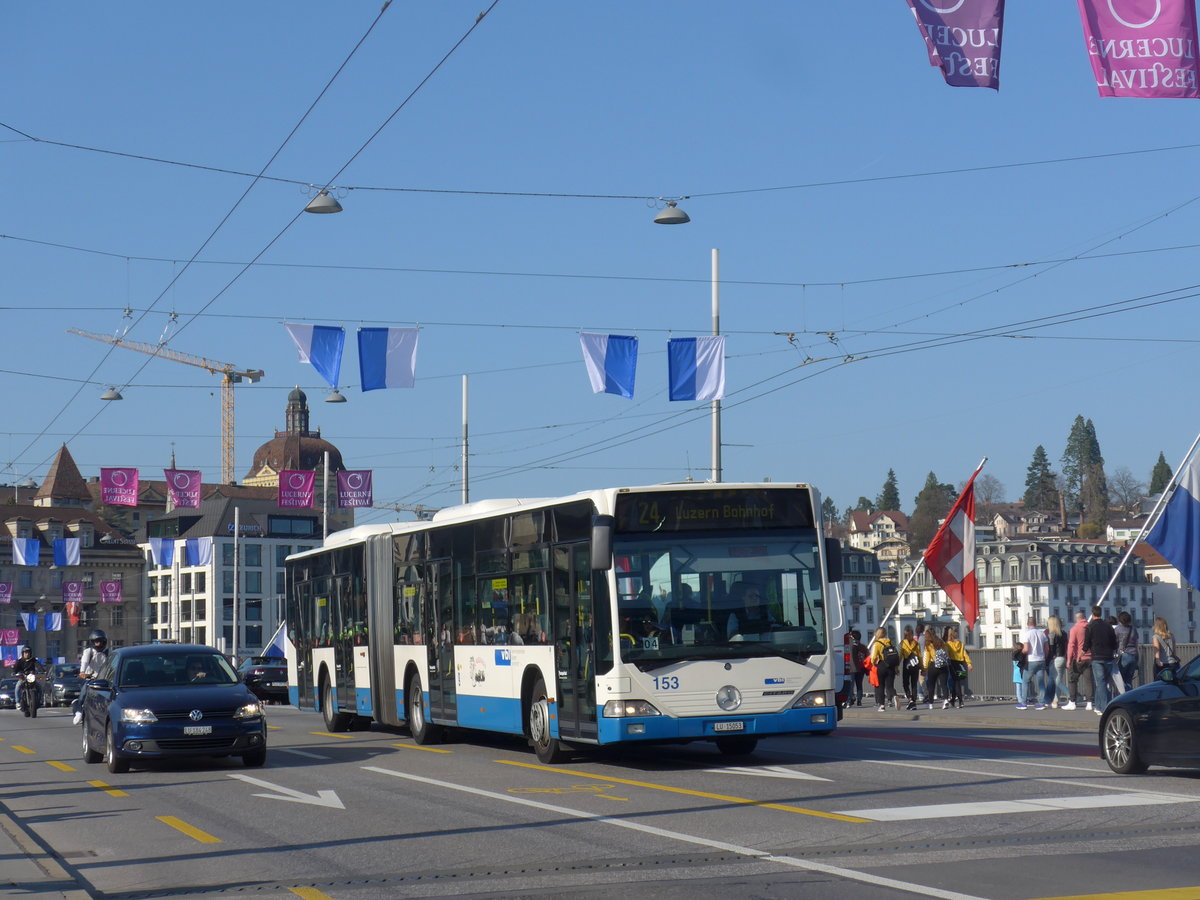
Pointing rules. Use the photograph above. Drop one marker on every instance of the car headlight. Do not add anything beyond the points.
(620, 709)
(813, 698)
(249, 711)
(138, 716)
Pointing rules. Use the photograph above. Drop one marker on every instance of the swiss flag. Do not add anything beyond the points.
(950, 556)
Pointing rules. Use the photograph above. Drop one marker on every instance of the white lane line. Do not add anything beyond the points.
(1002, 807)
(767, 772)
(920, 890)
(303, 753)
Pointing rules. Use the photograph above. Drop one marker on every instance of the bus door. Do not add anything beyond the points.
(574, 642)
(443, 698)
(349, 630)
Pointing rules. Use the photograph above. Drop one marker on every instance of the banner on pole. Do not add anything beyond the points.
(72, 591)
(6, 589)
(354, 488)
(1142, 48)
(296, 489)
(110, 592)
(183, 488)
(119, 487)
(963, 39)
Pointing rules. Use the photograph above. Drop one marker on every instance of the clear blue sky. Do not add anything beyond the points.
(669, 98)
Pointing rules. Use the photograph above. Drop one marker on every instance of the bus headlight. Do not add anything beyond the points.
(621, 709)
(814, 698)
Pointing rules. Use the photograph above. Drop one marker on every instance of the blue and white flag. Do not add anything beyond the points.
(611, 361)
(162, 551)
(52, 622)
(697, 367)
(275, 647)
(26, 551)
(30, 620)
(66, 551)
(198, 551)
(1176, 534)
(387, 358)
(321, 347)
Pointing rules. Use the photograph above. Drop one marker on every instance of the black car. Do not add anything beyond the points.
(8, 693)
(267, 677)
(162, 700)
(1155, 724)
(63, 684)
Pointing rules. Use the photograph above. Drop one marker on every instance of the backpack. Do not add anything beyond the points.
(913, 661)
(941, 658)
(889, 659)
(860, 655)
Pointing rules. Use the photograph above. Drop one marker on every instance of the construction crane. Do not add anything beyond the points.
(228, 371)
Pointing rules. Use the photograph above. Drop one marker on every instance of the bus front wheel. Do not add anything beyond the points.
(423, 731)
(549, 750)
(334, 721)
(737, 746)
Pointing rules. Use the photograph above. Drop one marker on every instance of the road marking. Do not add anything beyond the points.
(21, 749)
(419, 747)
(841, 817)
(61, 766)
(108, 789)
(1001, 807)
(274, 727)
(320, 798)
(296, 752)
(340, 737)
(309, 893)
(190, 830)
(767, 772)
(920, 890)
(1183, 893)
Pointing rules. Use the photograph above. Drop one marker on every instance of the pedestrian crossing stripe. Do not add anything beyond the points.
(1008, 807)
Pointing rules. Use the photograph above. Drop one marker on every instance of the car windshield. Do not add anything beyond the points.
(67, 670)
(175, 670)
(8, 683)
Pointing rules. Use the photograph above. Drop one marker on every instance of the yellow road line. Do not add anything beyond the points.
(1183, 893)
(344, 737)
(419, 747)
(310, 894)
(109, 789)
(274, 727)
(745, 801)
(190, 830)
(61, 766)
(21, 749)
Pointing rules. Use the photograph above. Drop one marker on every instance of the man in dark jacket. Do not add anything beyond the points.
(1100, 639)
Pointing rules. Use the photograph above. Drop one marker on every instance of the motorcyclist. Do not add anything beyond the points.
(27, 664)
(91, 664)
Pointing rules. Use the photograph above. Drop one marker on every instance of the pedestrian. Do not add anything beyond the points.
(1079, 665)
(1127, 650)
(1164, 647)
(1035, 642)
(920, 633)
(858, 659)
(1018, 675)
(885, 659)
(910, 666)
(937, 669)
(1056, 663)
(960, 666)
(1100, 640)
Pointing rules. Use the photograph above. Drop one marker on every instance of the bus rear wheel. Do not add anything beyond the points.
(549, 749)
(422, 730)
(334, 721)
(737, 746)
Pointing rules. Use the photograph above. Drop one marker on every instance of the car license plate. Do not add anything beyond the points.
(729, 726)
(197, 729)
(277, 684)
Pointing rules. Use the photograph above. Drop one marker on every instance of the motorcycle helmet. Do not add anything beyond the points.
(98, 636)
(28, 650)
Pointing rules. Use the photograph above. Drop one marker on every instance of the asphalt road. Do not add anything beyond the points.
(955, 804)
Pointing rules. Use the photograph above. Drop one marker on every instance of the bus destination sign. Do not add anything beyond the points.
(706, 510)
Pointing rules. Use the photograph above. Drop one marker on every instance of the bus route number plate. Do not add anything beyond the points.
(729, 726)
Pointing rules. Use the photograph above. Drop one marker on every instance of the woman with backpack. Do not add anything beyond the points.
(960, 666)
(910, 666)
(1164, 647)
(886, 660)
(937, 669)
(858, 658)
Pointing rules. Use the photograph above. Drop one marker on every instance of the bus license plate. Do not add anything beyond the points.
(729, 726)
(197, 729)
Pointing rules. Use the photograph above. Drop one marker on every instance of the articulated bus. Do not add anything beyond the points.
(671, 613)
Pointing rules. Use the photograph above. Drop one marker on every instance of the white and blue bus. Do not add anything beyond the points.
(671, 613)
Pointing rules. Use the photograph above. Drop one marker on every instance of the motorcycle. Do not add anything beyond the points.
(30, 695)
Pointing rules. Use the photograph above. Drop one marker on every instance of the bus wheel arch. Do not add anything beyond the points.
(422, 730)
(535, 703)
(334, 721)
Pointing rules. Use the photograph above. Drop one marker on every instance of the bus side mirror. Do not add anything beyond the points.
(833, 560)
(602, 530)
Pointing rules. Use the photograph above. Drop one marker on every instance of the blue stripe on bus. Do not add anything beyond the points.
(294, 695)
(659, 728)
(362, 697)
(496, 714)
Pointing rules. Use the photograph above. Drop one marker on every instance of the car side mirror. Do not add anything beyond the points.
(1168, 676)
(99, 684)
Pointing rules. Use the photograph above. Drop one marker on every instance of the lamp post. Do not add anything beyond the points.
(716, 330)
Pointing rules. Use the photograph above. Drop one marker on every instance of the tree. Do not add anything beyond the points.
(1081, 453)
(1160, 476)
(865, 503)
(889, 497)
(1126, 491)
(988, 489)
(1040, 492)
(1094, 498)
(932, 504)
(829, 511)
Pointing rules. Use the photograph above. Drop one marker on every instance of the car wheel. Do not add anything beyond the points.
(1119, 742)
(549, 749)
(255, 758)
(334, 721)
(115, 763)
(737, 746)
(89, 755)
(423, 731)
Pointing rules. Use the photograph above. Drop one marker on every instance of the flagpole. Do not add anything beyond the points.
(1154, 513)
(466, 481)
(716, 330)
(325, 501)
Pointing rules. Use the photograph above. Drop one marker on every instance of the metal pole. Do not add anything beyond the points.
(325, 501)
(466, 480)
(716, 330)
(237, 529)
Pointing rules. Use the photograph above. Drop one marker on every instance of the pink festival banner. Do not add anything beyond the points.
(296, 489)
(183, 488)
(354, 488)
(110, 592)
(72, 591)
(5, 592)
(963, 39)
(119, 487)
(1142, 48)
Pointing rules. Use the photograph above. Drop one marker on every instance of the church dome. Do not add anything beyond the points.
(297, 447)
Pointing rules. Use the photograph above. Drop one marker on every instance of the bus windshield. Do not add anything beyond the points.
(719, 597)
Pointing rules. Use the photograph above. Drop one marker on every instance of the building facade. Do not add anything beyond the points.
(860, 588)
